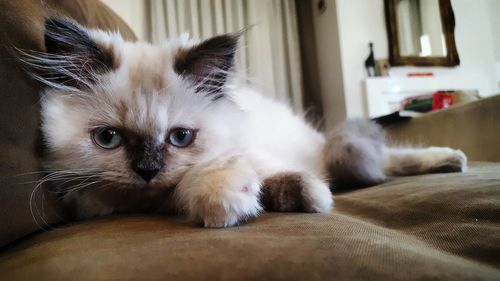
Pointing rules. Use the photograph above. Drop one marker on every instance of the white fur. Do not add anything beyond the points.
(268, 137)
(242, 139)
(316, 194)
(422, 160)
(220, 192)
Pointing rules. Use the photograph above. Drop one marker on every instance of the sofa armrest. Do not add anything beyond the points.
(21, 25)
(473, 128)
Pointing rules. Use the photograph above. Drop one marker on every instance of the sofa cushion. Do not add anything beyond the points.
(473, 127)
(21, 26)
(432, 227)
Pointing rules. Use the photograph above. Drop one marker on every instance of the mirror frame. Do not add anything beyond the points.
(448, 26)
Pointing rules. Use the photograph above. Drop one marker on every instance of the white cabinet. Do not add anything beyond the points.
(384, 94)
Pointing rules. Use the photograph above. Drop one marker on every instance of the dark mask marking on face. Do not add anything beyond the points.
(147, 157)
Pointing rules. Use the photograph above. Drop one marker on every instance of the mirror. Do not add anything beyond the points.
(421, 32)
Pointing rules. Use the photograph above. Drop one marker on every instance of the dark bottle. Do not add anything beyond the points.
(370, 62)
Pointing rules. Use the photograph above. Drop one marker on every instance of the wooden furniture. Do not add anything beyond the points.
(400, 28)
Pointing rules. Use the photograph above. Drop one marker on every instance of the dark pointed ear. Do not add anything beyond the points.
(209, 62)
(72, 58)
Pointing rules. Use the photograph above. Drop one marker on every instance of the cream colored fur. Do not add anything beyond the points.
(243, 138)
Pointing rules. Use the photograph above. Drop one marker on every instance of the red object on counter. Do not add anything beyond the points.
(442, 99)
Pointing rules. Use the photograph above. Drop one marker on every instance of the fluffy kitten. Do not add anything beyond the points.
(135, 127)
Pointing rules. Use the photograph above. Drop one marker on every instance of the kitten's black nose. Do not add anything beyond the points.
(147, 174)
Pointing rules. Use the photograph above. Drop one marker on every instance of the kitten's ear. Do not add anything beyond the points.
(209, 62)
(72, 58)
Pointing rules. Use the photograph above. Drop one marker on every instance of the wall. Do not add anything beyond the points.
(329, 63)
(494, 8)
(362, 21)
(475, 44)
(134, 13)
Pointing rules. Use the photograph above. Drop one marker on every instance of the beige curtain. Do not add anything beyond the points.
(269, 56)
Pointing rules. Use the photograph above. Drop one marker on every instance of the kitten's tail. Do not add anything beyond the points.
(355, 154)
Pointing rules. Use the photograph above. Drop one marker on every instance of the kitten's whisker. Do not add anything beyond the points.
(85, 178)
(53, 171)
(80, 186)
(56, 175)
(82, 178)
(42, 216)
(35, 211)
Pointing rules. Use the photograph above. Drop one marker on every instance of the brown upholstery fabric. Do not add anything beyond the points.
(473, 127)
(432, 227)
(21, 26)
(92, 14)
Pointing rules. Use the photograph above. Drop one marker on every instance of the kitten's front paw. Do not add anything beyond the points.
(220, 193)
(460, 160)
(296, 192)
(450, 160)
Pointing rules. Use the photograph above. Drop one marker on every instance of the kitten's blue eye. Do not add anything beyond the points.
(181, 137)
(107, 138)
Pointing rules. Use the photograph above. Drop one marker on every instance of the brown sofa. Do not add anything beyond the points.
(21, 27)
(432, 227)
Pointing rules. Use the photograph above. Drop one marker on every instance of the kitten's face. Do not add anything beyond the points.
(133, 114)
